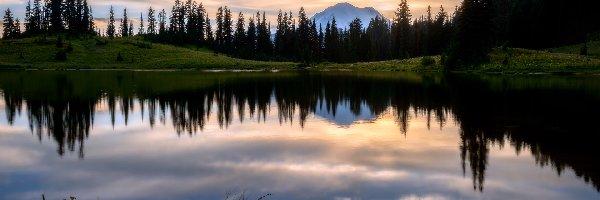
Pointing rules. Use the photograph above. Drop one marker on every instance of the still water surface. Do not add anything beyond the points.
(329, 135)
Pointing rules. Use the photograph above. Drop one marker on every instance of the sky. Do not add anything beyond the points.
(135, 7)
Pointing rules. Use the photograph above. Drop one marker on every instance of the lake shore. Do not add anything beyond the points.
(41, 53)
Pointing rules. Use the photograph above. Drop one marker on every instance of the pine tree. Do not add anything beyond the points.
(401, 30)
(280, 33)
(219, 35)
(56, 21)
(86, 18)
(239, 36)
(303, 40)
(474, 37)
(162, 22)
(355, 40)
(141, 28)
(201, 25)
(210, 37)
(263, 37)
(151, 22)
(28, 18)
(8, 25)
(227, 29)
(47, 20)
(130, 33)
(251, 37)
(124, 24)
(36, 21)
(110, 29)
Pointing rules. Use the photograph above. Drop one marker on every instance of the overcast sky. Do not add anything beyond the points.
(135, 7)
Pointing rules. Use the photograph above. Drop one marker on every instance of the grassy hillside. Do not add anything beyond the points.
(526, 61)
(40, 53)
(593, 49)
(410, 65)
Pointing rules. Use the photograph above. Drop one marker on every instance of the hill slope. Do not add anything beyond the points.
(92, 53)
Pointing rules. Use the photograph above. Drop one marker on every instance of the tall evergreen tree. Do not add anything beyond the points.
(130, 32)
(110, 29)
(141, 28)
(28, 19)
(56, 21)
(401, 30)
(86, 18)
(9, 26)
(162, 22)
(210, 37)
(303, 34)
(37, 16)
(239, 36)
(151, 30)
(227, 29)
(379, 36)
(219, 35)
(251, 37)
(355, 41)
(474, 36)
(124, 24)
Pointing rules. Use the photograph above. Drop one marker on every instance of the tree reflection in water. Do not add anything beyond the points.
(547, 115)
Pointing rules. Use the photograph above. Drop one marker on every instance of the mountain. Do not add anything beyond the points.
(344, 14)
(343, 115)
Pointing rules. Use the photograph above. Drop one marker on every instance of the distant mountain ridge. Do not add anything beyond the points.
(345, 13)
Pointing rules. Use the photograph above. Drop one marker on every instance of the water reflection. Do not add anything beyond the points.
(549, 116)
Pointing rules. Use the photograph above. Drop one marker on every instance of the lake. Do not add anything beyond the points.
(297, 135)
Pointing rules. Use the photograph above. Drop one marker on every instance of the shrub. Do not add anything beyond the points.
(61, 55)
(59, 42)
(584, 50)
(70, 47)
(119, 57)
(101, 42)
(427, 61)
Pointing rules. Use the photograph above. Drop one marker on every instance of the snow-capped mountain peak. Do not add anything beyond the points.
(345, 13)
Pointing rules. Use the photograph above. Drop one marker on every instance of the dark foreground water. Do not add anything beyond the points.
(195, 135)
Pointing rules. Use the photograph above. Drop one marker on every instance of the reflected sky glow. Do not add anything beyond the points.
(305, 135)
(323, 160)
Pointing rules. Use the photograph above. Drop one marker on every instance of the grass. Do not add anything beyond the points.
(134, 53)
(593, 49)
(514, 60)
(41, 53)
(409, 65)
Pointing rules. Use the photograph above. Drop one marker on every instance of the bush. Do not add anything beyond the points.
(119, 57)
(70, 47)
(59, 42)
(61, 55)
(101, 42)
(584, 50)
(427, 61)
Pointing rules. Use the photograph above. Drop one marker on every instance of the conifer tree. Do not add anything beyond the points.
(110, 29)
(251, 37)
(9, 28)
(239, 36)
(124, 24)
(401, 30)
(141, 28)
(151, 30)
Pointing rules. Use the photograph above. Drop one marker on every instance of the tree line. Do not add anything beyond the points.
(51, 16)
(466, 36)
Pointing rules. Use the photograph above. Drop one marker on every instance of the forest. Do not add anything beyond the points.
(462, 38)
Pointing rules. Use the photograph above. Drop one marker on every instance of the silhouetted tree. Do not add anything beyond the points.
(151, 30)
(124, 24)
(110, 29)
(401, 30)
